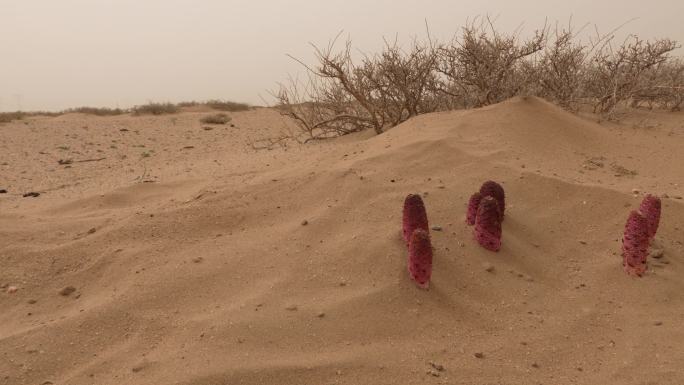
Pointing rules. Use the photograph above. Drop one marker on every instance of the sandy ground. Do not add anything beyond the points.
(191, 263)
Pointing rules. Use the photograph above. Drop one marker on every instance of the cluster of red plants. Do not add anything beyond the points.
(640, 230)
(486, 213)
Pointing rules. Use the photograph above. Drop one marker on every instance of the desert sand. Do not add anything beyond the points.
(195, 259)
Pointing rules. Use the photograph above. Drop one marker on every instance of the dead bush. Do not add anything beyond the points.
(189, 104)
(662, 87)
(560, 69)
(96, 111)
(224, 105)
(221, 105)
(480, 66)
(155, 109)
(484, 66)
(341, 96)
(216, 119)
(617, 74)
(7, 117)
(321, 109)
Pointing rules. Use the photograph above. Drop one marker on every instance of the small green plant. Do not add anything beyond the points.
(216, 119)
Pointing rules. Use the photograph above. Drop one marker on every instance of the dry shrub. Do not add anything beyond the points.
(216, 119)
(341, 96)
(224, 105)
(7, 117)
(221, 105)
(321, 108)
(145, 109)
(560, 68)
(188, 104)
(484, 66)
(155, 109)
(405, 81)
(662, 87)
(618, 74)
(480, 66)
(96, 111)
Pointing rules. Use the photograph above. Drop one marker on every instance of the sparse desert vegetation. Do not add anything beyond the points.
(225, 105)
(97, 111)
(216, 119)
(310, 237)
(479, 67)
(220, 105)
(6, 117)
(539, 241)
(151, 108)
(155, 109)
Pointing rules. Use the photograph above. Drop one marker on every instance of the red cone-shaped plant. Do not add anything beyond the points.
(487, 224)
(635, 244)
(650, 208)
(473, 204)
(493, 189)
(414, 216)
(420, 258)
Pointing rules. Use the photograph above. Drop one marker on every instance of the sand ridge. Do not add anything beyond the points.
(208, 275)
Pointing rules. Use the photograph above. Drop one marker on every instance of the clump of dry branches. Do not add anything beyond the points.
(560, 68)
(484, 66)
(618, 74)
(342, 96)
(662, 87)
(345, 93)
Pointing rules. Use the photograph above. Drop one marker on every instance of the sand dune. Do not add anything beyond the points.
(191, 264)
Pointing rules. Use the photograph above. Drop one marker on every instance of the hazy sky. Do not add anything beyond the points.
(56, 54)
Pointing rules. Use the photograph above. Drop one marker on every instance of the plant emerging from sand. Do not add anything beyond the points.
(650, 208)
(488, 224)
(414, 216)
(635, 244)
(420, 258)
(473, 205)
(640, 229)
(496, 191)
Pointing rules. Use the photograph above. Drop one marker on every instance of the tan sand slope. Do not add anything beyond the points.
(208, 275)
